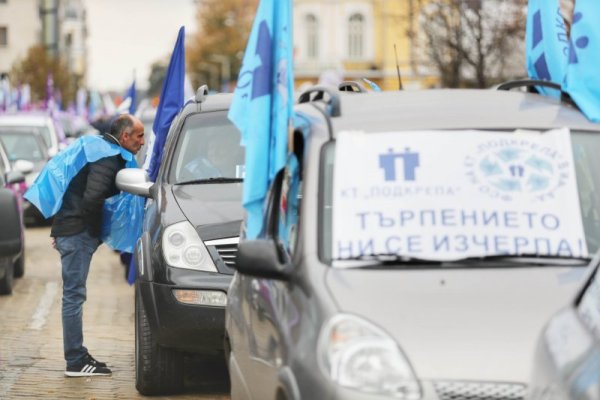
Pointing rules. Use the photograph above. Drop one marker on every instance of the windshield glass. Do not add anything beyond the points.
(399, 221)
(207, 148)
(43, 131)
(21, 146)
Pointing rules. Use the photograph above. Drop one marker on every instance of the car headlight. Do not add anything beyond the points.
(358, 355)
(183, 248)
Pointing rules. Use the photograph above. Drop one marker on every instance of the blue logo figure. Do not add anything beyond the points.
(387, 162)
(517, 171)
(580, 43)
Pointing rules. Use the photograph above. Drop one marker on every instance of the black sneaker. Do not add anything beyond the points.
(88, 367)
(94, 361)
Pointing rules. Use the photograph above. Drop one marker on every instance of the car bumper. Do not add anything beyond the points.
(187, 327)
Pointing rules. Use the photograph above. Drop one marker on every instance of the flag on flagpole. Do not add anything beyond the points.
(372, 84)
(128, 103)
(171, 101)
(50, 105)
(262, 104)
(582, 81)
(547, 44)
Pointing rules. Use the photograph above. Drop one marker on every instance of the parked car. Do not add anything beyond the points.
(42, 124)
(75, 126)
(27, 153)
(12, 178)
(12, 257)
(190, 233)
(397, 258)
(566, 365)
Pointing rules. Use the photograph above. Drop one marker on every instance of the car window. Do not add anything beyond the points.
(289, 204)
(46, 135)
(21, 146)
(208, 147)
(589, 305)
(585, 147)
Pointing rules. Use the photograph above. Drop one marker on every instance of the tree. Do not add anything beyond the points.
(158, 71)
(474, 42)
(215, 52)
(34, 69)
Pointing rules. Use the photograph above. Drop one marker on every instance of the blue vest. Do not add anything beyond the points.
(123, 213)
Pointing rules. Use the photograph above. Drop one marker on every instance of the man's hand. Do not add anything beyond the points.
(54, 242)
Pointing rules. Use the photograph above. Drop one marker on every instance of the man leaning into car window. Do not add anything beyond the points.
(76, 235)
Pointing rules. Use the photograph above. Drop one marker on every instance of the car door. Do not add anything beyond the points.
(266, 305)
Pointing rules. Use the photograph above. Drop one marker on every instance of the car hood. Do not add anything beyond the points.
(467, 324)
(214, 209)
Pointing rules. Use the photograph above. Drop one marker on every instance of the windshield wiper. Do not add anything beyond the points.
(210, 180)
(369, 260)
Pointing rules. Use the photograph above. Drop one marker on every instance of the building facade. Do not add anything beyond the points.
(73, 34)
(355, 39)
(20, 28)
(59, 25)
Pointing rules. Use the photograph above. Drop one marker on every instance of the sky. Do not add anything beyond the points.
(129, 35)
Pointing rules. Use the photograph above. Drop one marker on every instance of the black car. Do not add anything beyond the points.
(24, 147)
(189, 242)
(12, 259)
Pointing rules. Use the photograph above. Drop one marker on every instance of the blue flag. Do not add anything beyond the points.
(128, 103)
(547, 43)
(171, 101)
(583, 81)
(262, 104)
(372, 84)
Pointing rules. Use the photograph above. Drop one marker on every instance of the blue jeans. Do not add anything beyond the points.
(75, 254)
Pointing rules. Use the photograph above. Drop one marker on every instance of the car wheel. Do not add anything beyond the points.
(6, 282)
(157, 370)
(19, 266)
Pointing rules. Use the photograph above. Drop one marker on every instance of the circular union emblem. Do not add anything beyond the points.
(521, 170)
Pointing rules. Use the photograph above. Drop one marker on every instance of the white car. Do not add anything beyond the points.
(40, 123)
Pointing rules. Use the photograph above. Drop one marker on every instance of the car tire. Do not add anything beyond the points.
(157, 370)
(6, 282)
(19, 266)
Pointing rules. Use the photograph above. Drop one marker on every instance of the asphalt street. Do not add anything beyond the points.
(31, 359)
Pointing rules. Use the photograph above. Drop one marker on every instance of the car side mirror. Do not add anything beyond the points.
(134, 181)
(14, 177)
(23, 166)
(261, 258)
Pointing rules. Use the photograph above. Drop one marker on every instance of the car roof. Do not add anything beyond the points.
(33, 119)
(212, 102)
(455, 109)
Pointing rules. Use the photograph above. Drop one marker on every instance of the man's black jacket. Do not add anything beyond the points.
(84, 199)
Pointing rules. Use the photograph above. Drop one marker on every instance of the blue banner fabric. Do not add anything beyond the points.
(263, 104)
(171, 101)
(547, 43)
(121, 217)
(583, 79)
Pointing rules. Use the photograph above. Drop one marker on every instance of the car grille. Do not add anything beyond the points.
(455, 390)
(227, 249)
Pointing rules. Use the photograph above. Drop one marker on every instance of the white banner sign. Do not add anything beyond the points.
(455, 194)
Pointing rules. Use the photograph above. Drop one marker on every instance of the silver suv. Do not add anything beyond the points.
(415, 245)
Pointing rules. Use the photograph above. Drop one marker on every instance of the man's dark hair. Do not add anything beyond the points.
(120, 124)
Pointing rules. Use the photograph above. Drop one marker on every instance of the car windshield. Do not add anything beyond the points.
(208, 149)
(43, 131)
(396, 221)
(21, 146)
